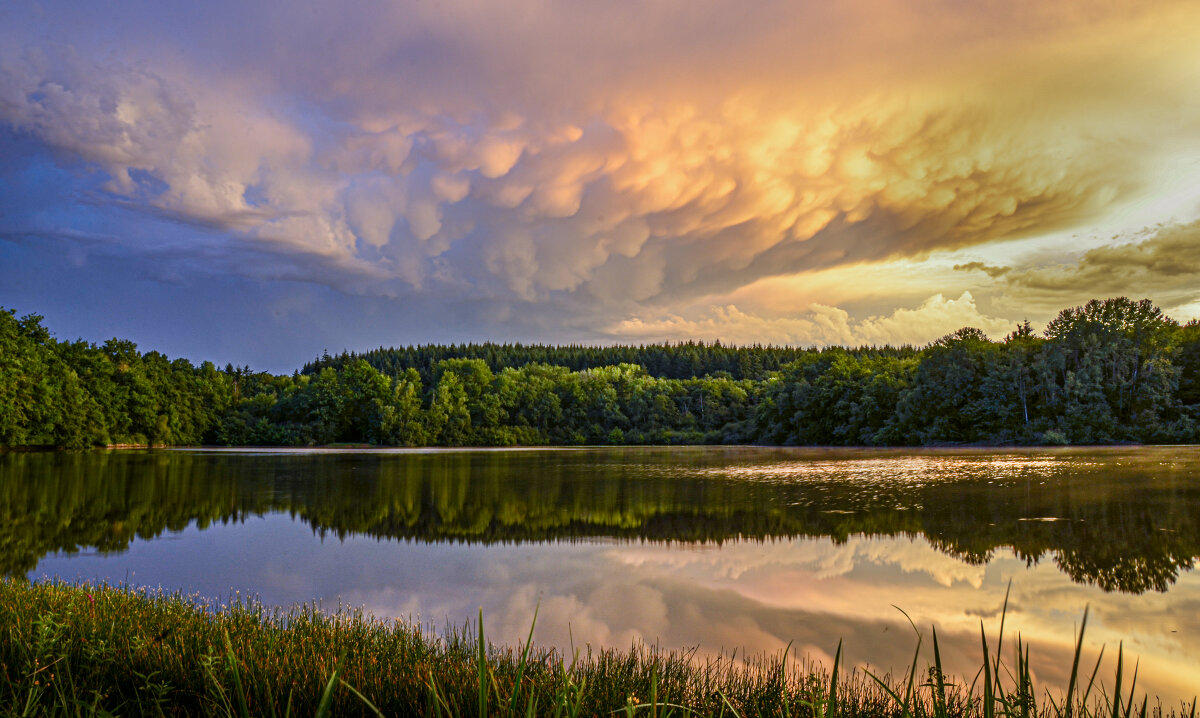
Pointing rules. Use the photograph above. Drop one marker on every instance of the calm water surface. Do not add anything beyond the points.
(714, 548)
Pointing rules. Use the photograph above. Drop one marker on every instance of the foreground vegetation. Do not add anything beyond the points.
(1109, 371)
(99, 650)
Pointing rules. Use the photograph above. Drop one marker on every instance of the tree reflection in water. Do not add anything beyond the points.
(1123, 519)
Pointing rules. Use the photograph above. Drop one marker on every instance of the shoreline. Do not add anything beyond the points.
(550, 447)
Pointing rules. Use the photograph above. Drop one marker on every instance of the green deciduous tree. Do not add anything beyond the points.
(1106, 371)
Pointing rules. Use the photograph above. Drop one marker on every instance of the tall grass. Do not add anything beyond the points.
(105, 650)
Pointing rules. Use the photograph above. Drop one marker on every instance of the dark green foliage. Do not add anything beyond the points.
(1108, 371)
(962, 392)
(43, 401)
(1187, 359)
(74, 394)
(835, 398)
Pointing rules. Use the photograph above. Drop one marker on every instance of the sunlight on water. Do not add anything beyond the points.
(898, 469)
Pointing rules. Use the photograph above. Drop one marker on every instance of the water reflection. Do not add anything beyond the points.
(1120, 519)
(716, 548)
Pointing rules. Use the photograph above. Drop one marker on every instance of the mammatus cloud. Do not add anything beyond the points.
(819, 325)
(562, 158)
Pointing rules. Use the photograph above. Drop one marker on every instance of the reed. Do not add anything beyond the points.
(81, 650)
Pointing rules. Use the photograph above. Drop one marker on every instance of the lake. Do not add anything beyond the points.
(714, 549)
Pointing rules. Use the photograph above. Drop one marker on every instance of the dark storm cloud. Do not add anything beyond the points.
(1165, 265)
(987, 269)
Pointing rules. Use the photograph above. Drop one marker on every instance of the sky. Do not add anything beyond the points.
(259, 182)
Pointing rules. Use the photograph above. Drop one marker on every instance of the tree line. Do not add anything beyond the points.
(1116, 370)
(686, 360)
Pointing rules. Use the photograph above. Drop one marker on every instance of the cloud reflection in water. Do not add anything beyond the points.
(755, 596)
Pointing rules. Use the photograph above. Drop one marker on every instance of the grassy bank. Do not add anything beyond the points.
(98, 650)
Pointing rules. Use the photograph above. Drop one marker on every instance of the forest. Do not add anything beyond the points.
(1109, 371)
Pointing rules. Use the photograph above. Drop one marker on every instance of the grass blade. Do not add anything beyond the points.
(1092, 681)
(884, 686)
(516, 692)
(1132, 687)
(654, 691)
(1070, 703)
(912, 677)
(362, 698)
(940, 709)
(989, 706)
(482, 658)
(1000, 638)
(727, 704)
(439, 703)
(243, 707)
(832, 706)
(326, 703)
(1116, 706)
